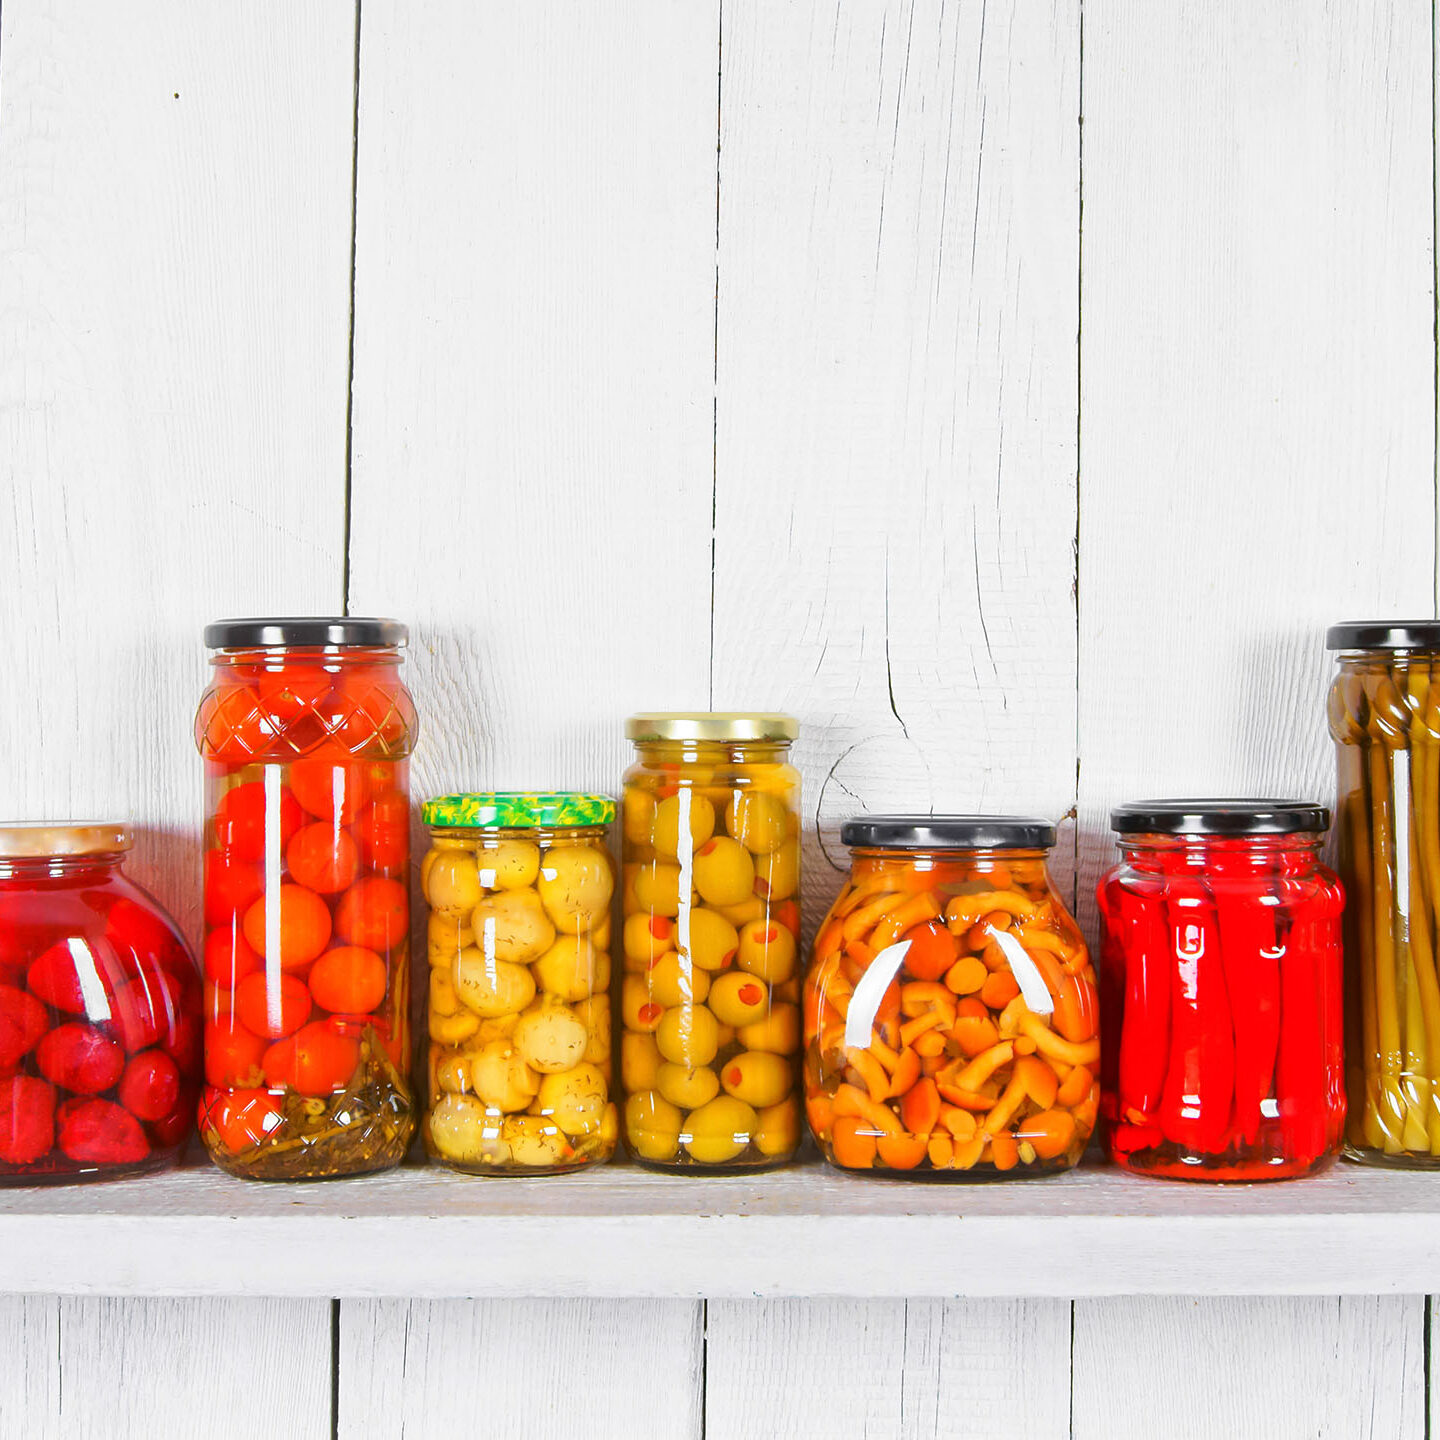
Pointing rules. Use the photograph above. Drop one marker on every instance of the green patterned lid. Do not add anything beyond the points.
(516, 809)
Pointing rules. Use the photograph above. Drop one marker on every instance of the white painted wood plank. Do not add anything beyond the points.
(621, 1232)
(1332, 1368)
(171, 1369)
(1257, 459)
(895, 510)
(174, 300)
(533, 434)
(526, 1369)
(534, 348)
(30, 1376)
(920, 1368)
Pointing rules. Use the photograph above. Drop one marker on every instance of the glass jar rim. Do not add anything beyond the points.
(41, 839)
(948, 832)
(270, 632)
(1212, 816)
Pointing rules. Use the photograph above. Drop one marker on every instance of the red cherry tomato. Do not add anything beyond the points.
(231, 887)
(232, 1055)
(289, 693)
(348, 980)
(383, 833)
(329, 785)
(933, 950)
(150, 1086)
(299, 920)
(316, 1060)
(374, 912)
(323, 857)
(239, 1119)
(229, 957)
(374, 710)
(233, 726)
(272, 1011)
(249, 812)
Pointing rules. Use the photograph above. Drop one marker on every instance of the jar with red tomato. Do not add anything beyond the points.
(950, 1010)
(306, 731)
(99, 1012)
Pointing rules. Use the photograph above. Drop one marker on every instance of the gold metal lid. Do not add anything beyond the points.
(711, 725)
(34, 839)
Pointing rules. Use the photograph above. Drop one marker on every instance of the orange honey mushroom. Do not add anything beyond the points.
(999, 990)
(1049, 1043)
(860, 921)
(1049, 1131)
(941, 1150)
(964, 910)
(1001, 1113)
(931, 1045)
(1076, 1004)
(911, 1030)
(1038, 1079)
(915, 911)
(920, 1107)
(1004, 1151)
(1074, 1087)
(855, 1103)
(966, 975)
(877, 1082)
(905, 1073)
(918, 996)
(853, 1146)
(979, 1070)
(960, 1124)
(974, 1034)
(901, 1152)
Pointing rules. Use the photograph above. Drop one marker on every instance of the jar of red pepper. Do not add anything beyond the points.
(1221, 991)
(99, 1011)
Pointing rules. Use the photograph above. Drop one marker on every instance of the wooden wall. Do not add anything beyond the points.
(796, 355)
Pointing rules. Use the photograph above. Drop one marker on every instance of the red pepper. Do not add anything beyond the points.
(1144, 1039)
(1200, 1081)
(1309, 1070)
(1245, 908)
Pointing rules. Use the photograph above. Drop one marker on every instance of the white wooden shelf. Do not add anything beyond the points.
(621, 1231)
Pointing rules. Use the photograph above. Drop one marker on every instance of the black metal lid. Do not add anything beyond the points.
(253, 633)
(948, 832)
(1219, 817)
(1384, 635)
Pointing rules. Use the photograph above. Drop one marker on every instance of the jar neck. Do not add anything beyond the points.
(540, 834)
(59, 867)
(711, 752)
(1164, 853)
(326, 657)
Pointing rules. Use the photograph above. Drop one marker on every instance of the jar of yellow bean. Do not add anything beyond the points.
(710, 995)
(519, 888)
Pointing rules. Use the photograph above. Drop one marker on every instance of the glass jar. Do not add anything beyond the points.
(1220, 965)
(709, 998)
(519, 888)
(306, 730)
(99, 1012)
(951, 1018)
(1384, 711)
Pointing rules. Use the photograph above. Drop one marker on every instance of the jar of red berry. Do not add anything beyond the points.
(306, 732)
(99, 1012)
(1221, 991)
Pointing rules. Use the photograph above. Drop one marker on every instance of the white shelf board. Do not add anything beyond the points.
(621, 1231)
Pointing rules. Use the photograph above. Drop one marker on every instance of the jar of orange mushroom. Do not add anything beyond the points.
(950, 1010)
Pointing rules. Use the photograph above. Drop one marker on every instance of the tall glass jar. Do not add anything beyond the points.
(519, 888)
(951, 1020)
(306, 731)
(709, 998)
(1221, 991)
(99, 1012)
(1384, 711)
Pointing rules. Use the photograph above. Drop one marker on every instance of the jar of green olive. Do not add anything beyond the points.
(710, 997)
(519, 888)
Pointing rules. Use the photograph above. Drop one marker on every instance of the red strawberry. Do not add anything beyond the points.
(102, 1133)
(146, 1009)
(27, 1119)
(22, 1022)
(80, 1058)
(69, 971)
(150, 1086)
(136, 928)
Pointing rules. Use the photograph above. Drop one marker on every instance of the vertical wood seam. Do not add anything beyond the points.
(1435, 369)
(350, 360)
(715, 348)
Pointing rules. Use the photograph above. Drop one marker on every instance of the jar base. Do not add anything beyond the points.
(1378, 1159)
(92, 1175)
(1228, 1174)
(695, 1167)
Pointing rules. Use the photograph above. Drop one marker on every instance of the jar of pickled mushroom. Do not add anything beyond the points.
(1221, 991)
(306, 731)
(951, 1018)
(99, 1012)
(1384, 711)
(709, 999)
(519, 888)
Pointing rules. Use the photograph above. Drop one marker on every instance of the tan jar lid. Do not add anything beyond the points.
(38, 838)
(711, 725)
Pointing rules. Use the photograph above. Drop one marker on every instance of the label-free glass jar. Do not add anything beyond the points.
(951, 1018)
(1220, 973)
(709, 998)
(1384, 711)
(306, 732)
(519, 888)
(99, 1012)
